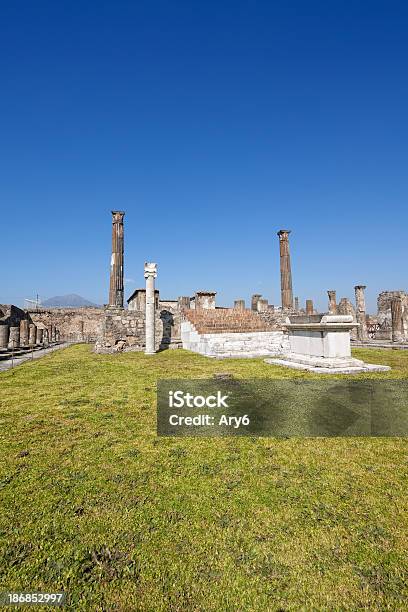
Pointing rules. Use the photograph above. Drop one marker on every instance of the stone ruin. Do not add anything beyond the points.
(150, 323)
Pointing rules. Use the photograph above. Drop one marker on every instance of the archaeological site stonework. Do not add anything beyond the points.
(149, 323)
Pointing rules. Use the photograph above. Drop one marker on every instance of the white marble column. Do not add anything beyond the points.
(362, 333)
(150, 273)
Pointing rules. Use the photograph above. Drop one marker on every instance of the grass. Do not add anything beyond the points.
(95, 504)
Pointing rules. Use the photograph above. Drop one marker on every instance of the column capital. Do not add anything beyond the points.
(360, 286)
(284, 234)
(150, 270)
(117, 216)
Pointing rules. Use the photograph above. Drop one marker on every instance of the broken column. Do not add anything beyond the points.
(23, 332)
(262, 305)
(32, 335)
(285, 270)
(332, 302)
(396, 320)
(362, 333)
(239, 305)
(150, 273)
(297, 304)
(309, 307)
(4, 336)
(116, 269)
(39, 335)
(14, 337)
(254, 301)
(45, 336)
(184, 302)
(205, 300)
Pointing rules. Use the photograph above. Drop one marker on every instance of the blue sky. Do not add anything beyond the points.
(213, 125)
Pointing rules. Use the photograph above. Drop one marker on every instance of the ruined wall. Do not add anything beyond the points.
(125, 329)
(384, 313)
(74, 324)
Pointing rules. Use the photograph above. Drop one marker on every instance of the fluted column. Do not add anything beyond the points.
(150, 273)
(116, 269)
(285, 270)
(362, 333)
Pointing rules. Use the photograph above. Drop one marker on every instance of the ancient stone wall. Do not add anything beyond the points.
(74, 324)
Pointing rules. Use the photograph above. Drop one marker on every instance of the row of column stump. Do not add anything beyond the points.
(25, 337)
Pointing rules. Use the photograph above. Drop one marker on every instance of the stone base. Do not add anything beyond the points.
(326, 365)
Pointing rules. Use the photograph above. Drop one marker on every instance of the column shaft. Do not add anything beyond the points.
(150, 275)
(285, 270)
(116, 269)
(362, 333)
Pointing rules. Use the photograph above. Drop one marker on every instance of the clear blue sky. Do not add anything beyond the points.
(213, 125)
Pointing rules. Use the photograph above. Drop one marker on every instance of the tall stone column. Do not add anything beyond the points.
(150, 273)
(32, 334)
(332, 302)
(23, 332)
(45, 336)
(285, 270)
(4, 336)
(396, 319)
(239, 305)
(116, 269)
(309, 307)
(297, 304)
(362, 333)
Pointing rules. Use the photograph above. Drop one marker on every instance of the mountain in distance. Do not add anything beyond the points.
(72, 300)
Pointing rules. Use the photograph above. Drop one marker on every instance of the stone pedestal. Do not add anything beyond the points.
(4, 336)
(332, 302)
(14, 337)
(321, 344)
(32, 334)
(396, 320)
(150, 273)
(362, 333)
(285, 270)
(116, 269)
(23, 332)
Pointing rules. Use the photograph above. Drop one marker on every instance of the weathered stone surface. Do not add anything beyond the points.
(116, 269)
(32, 334)
(397, 322)
(332, 301)
(4, 335)
(285, 270)
(205, 300)
(14, 337)
(309, 307)
(39, 336)
(24, 332)
(150, 273)
(345, 307)
(239, 304)
(296, 304)
(254, 301)
(262, 305)
(362, 334)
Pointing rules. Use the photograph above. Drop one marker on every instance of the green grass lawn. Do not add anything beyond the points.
(93, 503)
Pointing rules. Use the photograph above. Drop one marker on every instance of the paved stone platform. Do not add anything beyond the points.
(7, 364)
(324, 365)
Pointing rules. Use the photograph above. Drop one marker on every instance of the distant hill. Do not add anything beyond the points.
(72, 300)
